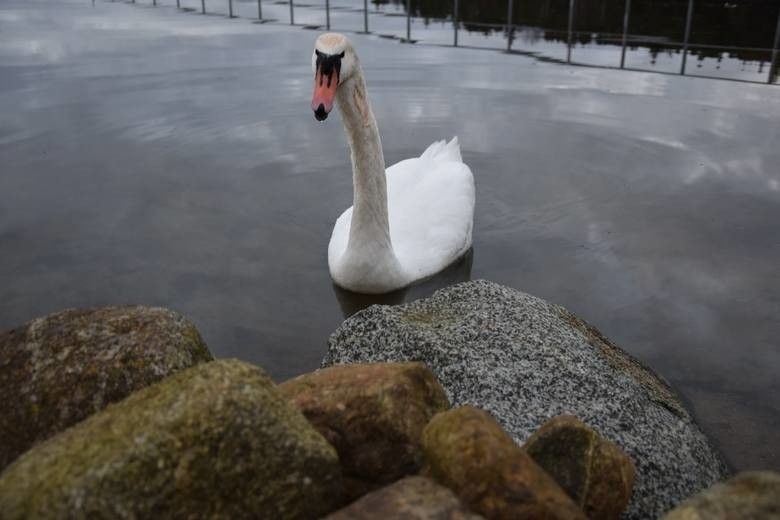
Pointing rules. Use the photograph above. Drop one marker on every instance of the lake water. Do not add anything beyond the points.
(162, 157)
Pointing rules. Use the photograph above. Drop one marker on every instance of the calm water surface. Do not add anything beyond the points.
(166, 158)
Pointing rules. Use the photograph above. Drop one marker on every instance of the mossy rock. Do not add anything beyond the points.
(595, 472)
(411, 498)
(214, 441)
(467, 451)
(750, 495)
(373, 414)
(57, 370)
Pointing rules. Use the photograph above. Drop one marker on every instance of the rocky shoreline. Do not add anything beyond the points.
(479, 402)
(525, 360)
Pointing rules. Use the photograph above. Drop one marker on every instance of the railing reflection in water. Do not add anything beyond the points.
(509, 30)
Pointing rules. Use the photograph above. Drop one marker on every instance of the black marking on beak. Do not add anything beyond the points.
(327, 64)
(320, 114)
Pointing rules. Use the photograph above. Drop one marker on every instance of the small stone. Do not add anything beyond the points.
(373, 414)
(595, 473)
(467, 451)
(750, 495)
(57, 370)
(412, 498)
(214, 441)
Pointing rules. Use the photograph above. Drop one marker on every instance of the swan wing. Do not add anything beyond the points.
(431, 207)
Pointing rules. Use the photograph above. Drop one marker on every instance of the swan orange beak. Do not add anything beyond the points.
(324, 94)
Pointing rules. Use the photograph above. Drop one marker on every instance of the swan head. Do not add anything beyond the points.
(333, 62)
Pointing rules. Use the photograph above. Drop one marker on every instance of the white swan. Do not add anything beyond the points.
(406, 224)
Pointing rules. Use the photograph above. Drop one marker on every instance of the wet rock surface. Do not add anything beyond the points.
(750, 495)
(595, 473)
(414, 498)
(59, 369)
(214, 441)
(467, 451)
(373, 414)
(525, 361)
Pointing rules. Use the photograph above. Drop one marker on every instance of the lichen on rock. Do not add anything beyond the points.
(214, 441)
(468, 451)
(59, 369)
(750, 495)
(411, 498)
(373, 414)
(595, 473)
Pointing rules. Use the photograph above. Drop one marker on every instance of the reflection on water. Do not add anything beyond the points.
(459, 271)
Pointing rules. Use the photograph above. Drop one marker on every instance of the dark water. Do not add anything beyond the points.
(167, 158)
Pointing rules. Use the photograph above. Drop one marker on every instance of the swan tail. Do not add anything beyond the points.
(443, 151)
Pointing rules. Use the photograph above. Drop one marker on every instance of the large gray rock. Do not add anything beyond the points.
(57, 370)
(217, 440)
(526, 360)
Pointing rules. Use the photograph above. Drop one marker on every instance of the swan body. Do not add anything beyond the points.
(407, 223)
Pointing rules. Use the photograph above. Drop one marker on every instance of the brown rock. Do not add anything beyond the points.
(596, 474)
(751, 495)
(57, 370)
(467, 451)
(412, 498)
(373, 414)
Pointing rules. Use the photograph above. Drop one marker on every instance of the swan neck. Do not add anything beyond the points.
(370, 222)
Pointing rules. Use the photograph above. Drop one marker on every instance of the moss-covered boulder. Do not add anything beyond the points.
(595, 473)
(411, 498)
(751, 495)
(57, 370)
(467, 451)
(373, 414)
(214, 441)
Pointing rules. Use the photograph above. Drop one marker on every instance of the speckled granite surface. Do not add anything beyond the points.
(526, 360)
